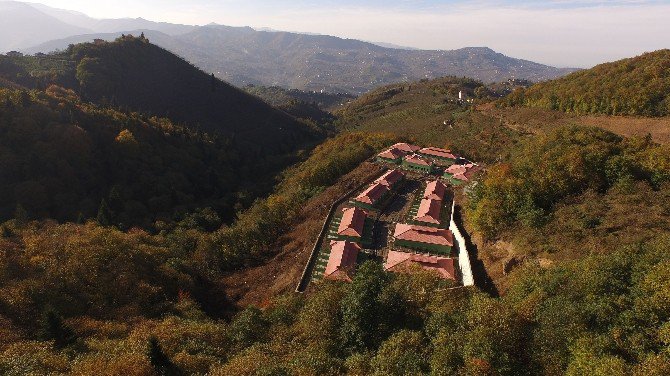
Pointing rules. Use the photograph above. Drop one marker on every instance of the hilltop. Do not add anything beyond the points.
(238, 134)
(637, 86)
(133, 74)
(429, 112)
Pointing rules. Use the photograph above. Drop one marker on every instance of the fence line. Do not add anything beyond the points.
(309, 267)
(463, 254)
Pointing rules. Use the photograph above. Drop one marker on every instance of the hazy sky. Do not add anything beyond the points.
(577, 33)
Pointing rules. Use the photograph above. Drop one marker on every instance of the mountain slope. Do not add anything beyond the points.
(109, 25)
(634, 86)
(242, 56)
(134, 74)
(23, 25)
(59, 157)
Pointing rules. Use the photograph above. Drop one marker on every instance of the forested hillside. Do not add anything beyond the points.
(635, 86)
(600, 309)
(307, 105)
(428, 112)
(133, 74)
(65, 159)
(232, 145)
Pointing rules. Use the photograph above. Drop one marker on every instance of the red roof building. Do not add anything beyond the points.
(372, 194)
(402, 262)
(423, 234)
(462, 172)
(437, 153)
(390, 178)
(435, 190)
(342, 260)
(417, 160)
(352, 222)
(392, 154)
(429, 211)
(405, 147)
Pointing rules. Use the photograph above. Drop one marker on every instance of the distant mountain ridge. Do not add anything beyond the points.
(244, 56)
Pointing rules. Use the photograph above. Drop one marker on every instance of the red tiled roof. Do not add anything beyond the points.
(435, 190)
(407, 148)
(424, 234)
(437, 152)
(392, 153)
(463, 172)
(401, 262)
(342, 260)
(373, 193)
(390, 178)
(429, 211)
(352, 222)
(415, 159)
(456, 169)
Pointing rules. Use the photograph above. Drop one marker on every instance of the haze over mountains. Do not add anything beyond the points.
(243, 56)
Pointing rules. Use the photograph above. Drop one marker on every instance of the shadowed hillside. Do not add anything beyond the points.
(133, 73)
(60, 157)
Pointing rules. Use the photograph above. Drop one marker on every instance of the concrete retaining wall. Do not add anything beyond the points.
(463, 254)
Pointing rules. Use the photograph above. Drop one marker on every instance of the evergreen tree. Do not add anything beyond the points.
(361, 308)
(54, 328)
(20, 215)
(6, 232)
(104, 217)
(115, 200)
(213, 82)
(160, 361)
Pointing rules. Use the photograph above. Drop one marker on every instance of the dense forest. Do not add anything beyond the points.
(65, 159)
(64, 313)
(278, 96)
(635, 86)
